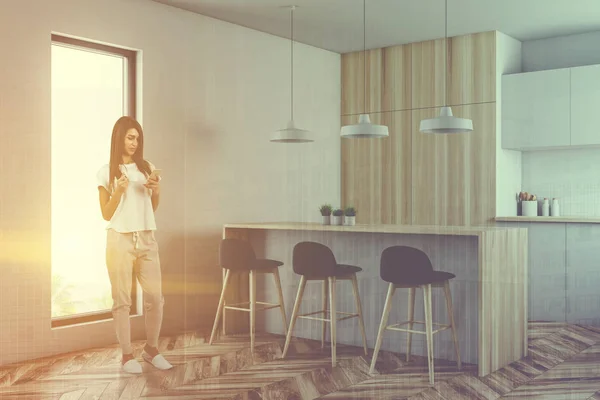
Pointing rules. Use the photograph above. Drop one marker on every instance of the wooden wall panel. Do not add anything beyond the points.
(376, 173)
(389, 83)
(454, 175)
(397, 78)
(412, 177)
(426, 150)
(482, 161)
(427, 74)
(353, 83)
(374, 87)
(472, 68)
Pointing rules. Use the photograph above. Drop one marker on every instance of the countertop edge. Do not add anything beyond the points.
(556, 220)
(473, 231)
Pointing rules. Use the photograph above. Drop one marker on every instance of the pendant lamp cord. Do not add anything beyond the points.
(446, 54)
(365, 52)
(292, 63)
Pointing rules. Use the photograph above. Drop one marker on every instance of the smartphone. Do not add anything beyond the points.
(156, 173)
(123, 170)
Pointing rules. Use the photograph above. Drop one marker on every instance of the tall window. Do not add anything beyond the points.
(92, 86)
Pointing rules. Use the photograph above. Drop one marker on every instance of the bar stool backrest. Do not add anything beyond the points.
(313, 259)
(236, 254)
(404, 264)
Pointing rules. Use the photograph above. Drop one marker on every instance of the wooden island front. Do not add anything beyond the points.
(489, 292)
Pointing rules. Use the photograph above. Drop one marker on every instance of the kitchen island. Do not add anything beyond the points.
(489, 292)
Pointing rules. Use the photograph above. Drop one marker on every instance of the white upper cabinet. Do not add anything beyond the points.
(585, 104)
(536, 110)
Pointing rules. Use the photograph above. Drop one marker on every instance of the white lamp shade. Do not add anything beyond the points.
(365, 129)
(446, 123)
(291, 134)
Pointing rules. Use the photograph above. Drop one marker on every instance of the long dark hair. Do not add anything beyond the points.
(117, 148)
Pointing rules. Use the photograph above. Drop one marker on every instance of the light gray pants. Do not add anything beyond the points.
(126, 254)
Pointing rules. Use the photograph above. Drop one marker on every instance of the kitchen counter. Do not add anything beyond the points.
(563, 268)
(489, 292)
(373, 228)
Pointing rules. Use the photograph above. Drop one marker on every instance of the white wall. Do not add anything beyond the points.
(570, 175)
(561, 52)
(212, 93)
(508, 162)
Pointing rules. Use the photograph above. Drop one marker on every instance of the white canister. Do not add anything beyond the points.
(326, 219)
(546, 207)
(529, 208)
(555, 209)
(336, 220)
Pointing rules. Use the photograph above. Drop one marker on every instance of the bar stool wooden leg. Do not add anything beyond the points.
(383, 324)
(220, 308)
(252, 309)
(359, 311)
(411, 318)
(223, 331)
(429, 330)
(294, 315)
(333, 319)
(324, 308)
(451, 317)
(281, 303)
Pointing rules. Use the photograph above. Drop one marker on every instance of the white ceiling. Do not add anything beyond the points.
(337, 25)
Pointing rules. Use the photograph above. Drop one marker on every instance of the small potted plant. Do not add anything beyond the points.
(349, 216)
(326, 213)
(337, 216)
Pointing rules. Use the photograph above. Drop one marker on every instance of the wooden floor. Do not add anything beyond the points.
(563, 363)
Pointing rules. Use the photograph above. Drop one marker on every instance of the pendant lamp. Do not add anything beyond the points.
(364, 128)
(446, 122)
(291, 133)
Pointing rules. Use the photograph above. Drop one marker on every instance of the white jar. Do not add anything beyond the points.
(529, 208)
(546, 207)
(555, 210)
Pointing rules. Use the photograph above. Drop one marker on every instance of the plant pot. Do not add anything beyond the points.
(336, 220)
(350, 220)
(326, 219)
(529, 208)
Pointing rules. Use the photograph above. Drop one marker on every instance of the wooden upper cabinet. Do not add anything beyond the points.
(472, 68)
(352, 87)
(397, 78)
(411, 76)
(427, 71)
(353, 81)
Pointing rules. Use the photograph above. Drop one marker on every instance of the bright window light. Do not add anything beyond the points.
(88, 92)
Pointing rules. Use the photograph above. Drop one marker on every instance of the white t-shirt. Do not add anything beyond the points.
(134, 213)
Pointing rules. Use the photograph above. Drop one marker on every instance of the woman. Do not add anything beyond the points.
(129, 196)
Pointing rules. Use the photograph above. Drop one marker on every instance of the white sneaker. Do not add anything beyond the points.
(132, 367)
(159, 361)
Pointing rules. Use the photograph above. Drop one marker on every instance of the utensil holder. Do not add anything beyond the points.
(529, 208)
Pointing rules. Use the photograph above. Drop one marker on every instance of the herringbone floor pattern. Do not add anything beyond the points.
(563, 363)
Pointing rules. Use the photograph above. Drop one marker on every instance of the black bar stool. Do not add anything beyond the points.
(407, 267)
(237, 256)
(315, 261)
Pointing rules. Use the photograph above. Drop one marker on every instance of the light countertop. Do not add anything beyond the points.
(373, 228)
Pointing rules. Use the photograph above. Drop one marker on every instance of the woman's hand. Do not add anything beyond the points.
(154, 185)
(122, 184)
